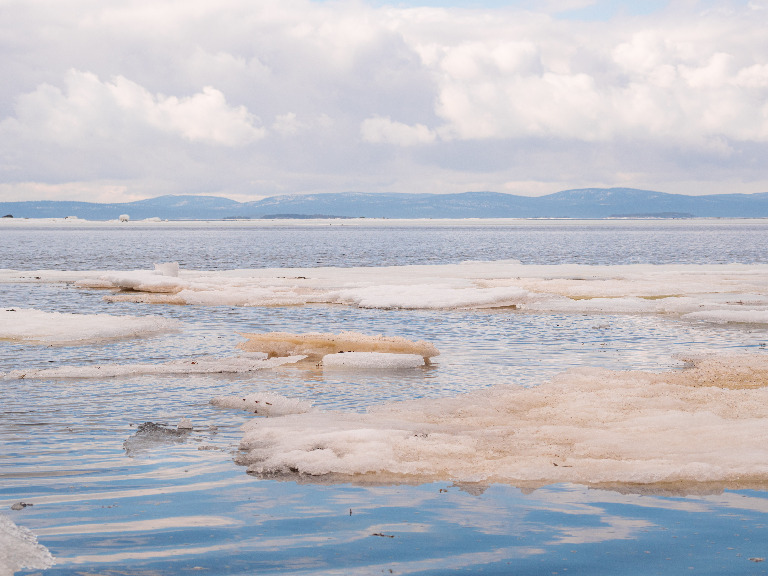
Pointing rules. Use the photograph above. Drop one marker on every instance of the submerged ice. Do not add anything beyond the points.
(151, 435)
(591, 426)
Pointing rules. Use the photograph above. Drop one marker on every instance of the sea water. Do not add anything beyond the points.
(108, 493)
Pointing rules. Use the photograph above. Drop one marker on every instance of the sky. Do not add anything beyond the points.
(114, 101)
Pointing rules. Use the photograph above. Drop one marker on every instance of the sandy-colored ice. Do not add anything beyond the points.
(705, 424)
(316, 345)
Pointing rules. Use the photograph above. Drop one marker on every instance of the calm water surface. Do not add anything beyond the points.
(223, 246)
(107, 501)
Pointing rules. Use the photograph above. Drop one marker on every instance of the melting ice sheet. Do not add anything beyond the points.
(30, 325)
(705, 424)
(715, 293)
(19, 549)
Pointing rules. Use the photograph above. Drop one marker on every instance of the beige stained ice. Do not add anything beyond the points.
(702, 425)
(316, 345)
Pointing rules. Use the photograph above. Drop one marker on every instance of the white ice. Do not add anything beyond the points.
(371, 361)
(714, 293)
(202, 365)
(30, 325)
(263, 404)
(19, 549)
(590, 426)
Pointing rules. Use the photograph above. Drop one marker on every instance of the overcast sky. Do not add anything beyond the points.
(109, 100)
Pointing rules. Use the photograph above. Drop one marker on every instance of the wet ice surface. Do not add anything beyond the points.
(112, 496)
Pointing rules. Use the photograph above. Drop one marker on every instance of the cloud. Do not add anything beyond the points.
(379, 130)
(252, 99)
(673, 82)
(89, 109)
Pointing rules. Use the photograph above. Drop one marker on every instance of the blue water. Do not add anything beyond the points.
(226, 246)
(174, 505)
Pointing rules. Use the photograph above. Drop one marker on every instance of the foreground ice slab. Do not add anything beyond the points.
(19, 549)
(37, 326)
(705, 424)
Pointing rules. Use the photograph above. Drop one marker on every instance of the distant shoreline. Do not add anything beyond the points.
(586, 203)
(67, 222)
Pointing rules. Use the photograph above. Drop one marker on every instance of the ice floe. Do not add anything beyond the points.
(30, 325)
(201, 365)
(716, 293)
(316, 346)
(371, 361)
(263, 404)
(704, 424)
(19, 549)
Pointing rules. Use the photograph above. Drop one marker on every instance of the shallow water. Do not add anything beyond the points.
(108, 499)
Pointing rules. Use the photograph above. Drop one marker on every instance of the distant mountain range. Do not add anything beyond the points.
(582, 203)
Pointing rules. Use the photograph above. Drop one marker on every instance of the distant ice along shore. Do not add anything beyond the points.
(732, 293)
(21, 223)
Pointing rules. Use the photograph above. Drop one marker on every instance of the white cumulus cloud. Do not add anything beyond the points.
(384, 130)
(88, 108)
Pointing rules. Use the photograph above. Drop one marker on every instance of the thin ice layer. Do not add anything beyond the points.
(590, 426)
(263, 404)
(30, 325)
(316, 345)
(201, 365)
(19, 549)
